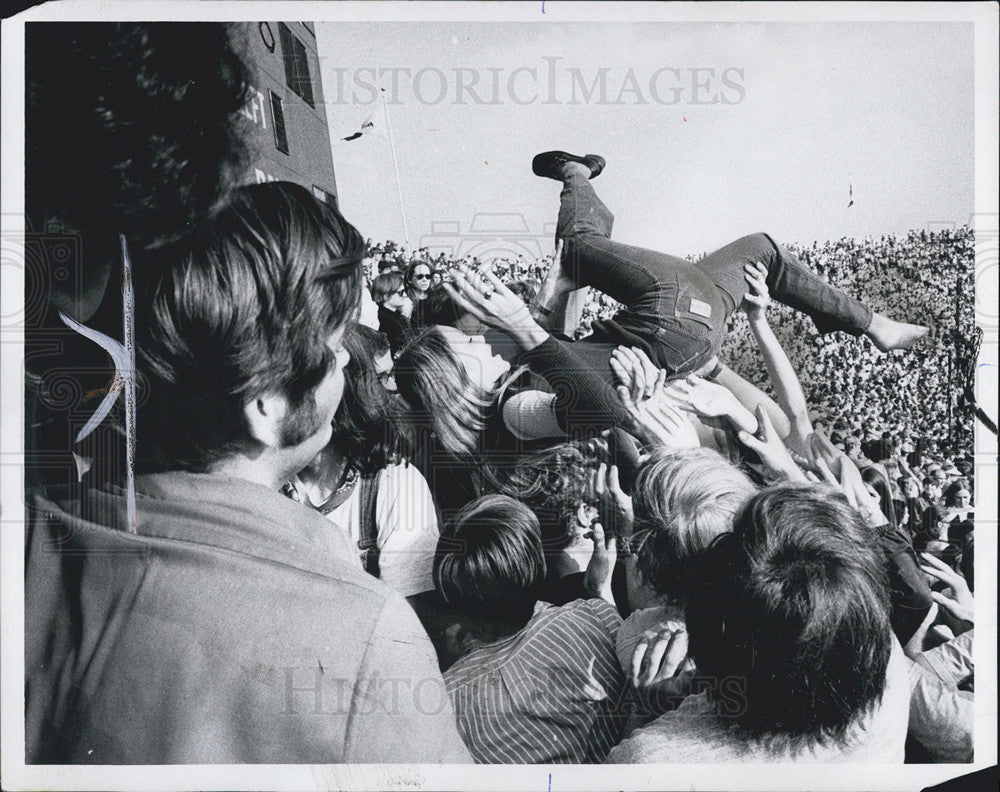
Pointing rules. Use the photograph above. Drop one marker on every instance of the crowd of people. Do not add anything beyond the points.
(914, 413)
(398, 508)
(928, 274)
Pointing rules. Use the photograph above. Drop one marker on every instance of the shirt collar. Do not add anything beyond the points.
(236, 514)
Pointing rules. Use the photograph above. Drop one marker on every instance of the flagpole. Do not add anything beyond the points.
(395, 166)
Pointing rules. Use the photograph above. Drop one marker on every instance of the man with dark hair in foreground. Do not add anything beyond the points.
(788, 621)
(233, 625)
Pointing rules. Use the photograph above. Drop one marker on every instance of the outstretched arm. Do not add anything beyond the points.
(784, 380)
(750, 396)
(656, 417)
(584, 404)
(711, 400)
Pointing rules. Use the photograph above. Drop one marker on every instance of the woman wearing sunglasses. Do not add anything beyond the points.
(419, 278)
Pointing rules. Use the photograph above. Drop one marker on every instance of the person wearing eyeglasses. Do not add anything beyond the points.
(389, 293)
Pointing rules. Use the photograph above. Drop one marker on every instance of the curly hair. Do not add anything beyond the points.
(131, 128)
(553, 482)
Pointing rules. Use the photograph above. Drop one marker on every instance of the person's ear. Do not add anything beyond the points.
(265, 416)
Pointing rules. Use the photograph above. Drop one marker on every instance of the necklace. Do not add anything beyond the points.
(343, 491)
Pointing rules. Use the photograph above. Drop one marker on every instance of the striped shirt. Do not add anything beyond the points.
(551, 693)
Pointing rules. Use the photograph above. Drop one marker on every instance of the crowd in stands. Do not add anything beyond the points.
(900, 418)
(915, 404)
(393, 507)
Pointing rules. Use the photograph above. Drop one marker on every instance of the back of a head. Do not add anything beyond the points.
(794, 607)
(489, 561)
(683, 500)
(366, 342)
(441, 309)
(242, 309)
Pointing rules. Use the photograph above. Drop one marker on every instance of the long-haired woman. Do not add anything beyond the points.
(363, 484)
(468, 432)
(456, 423)
(418, 280)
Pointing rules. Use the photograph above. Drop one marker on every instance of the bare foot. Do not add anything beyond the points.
(888, 334)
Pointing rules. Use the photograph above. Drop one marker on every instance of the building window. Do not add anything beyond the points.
(296, 59)
(278, 114)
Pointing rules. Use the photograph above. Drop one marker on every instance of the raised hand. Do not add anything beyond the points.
(771, 450)
(660, 655)
(597, 577)
(710, 400)
(658, 420)
(858, 494)
(957, 605)
(633, 369)
(489, 300)
(834, 467)
(755, 301)
(821, 457)
(614, 506)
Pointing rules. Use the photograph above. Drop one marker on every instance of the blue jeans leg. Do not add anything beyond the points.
(673, 310)
(789, 283)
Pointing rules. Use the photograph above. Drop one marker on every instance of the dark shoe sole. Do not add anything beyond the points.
(548, 163)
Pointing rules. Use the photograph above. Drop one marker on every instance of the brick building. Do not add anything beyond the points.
(290, 136)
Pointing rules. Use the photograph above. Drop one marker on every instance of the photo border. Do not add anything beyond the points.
(17, 775)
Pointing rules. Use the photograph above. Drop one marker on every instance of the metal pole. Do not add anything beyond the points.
(958, 335)
(399, 186)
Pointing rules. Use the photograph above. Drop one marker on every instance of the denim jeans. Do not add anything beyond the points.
(678, 310)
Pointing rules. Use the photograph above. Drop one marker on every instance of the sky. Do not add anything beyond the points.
(806, 118)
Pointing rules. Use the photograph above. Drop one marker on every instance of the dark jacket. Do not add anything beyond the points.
(395, 326)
